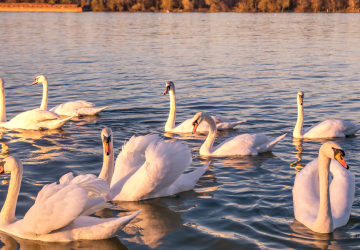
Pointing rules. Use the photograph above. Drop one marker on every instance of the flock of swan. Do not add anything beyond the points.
(150, 167)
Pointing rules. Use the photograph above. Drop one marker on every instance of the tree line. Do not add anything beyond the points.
(213, 5)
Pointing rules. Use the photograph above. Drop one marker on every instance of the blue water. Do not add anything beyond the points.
(240, 66)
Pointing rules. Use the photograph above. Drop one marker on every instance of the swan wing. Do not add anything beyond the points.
(70, 108)
(306, 194)
(331, 128)
(95, 187)
(221, 124)
(56, 206)
(129, 160)
(34, 116)
(245, 144)
(165, 162)
(342, 192)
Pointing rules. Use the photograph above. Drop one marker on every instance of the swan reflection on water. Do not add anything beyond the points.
(9, 242)
(303, 235)
(44, 146)
(158, 217)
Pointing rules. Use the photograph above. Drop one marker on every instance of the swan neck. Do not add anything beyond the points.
(108, 165)
(45, 95)
(207, 147)
(2, 102)
(7, 214)
(324, 221)
(170, 124)
(298, 130)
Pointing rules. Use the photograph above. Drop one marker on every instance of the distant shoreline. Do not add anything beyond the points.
(242, 6)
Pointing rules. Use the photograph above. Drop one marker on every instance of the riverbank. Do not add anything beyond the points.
(43, 7)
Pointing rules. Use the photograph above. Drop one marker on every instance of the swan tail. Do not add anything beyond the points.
(353, 131)
(54, 124)
(90, 111)
(268, 146)
(228, 125)
(92, 228)
(96, 204)
(188, 181)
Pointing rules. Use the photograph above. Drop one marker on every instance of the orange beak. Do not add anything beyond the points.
(195, 127)
(107, 148)
(341, 160)
(166, 90)
(2, 170)
(33, 83)
(301, 100)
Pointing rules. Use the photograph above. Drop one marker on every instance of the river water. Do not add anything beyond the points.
(241, 66)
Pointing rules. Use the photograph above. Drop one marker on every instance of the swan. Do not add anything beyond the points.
(59, 213)
(239, 145)
(35, 119)
(147, 167)
(326, 129)
(74, 108)
(318, 205)
(186, 126)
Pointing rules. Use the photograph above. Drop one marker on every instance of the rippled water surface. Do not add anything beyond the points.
(240, 66)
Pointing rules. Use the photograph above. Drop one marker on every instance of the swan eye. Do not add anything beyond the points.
(107, 139)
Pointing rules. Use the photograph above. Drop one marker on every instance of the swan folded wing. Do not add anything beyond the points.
(306, 194)
(220, 119)
(342, 192)
(245, 144)
(95, 204)
(165, 162)
(55, 207)
(95, 187)
(34, 116)
(330, 128)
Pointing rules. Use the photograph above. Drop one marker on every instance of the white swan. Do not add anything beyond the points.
(74, 108)
(147, 167)
(59, 213)
(239, 145)
(318, 205)
(326, 129)
(35, 119)
(186, 126)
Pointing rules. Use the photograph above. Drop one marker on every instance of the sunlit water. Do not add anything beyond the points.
(240, 66)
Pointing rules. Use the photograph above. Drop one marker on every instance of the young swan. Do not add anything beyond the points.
(60, 210)
(321, 206)
(239, 145)
(186, 126)
(326, 129)
(74, 108)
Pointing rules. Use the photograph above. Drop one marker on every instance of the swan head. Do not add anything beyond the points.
(106, 137)
(170, 86)
(300, 97)
(10, 164)
(198, 118)
(334, 151)
(39, 79)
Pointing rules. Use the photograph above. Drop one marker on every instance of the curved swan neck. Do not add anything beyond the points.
(298, 130)
(2, 102)
(7, 214)
(324, 221)
(170, 124)
(206, 148)
(107, 169)
(45, 95)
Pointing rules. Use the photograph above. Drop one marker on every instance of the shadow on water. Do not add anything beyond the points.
(11, 243)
